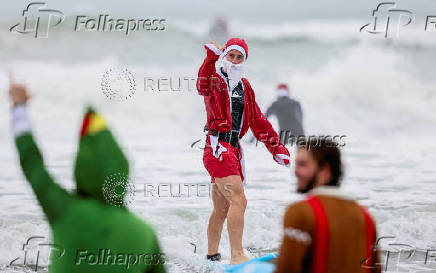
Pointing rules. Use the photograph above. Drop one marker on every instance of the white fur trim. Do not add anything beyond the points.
(214, 143)
(331, 191)
(214, 49)
(242, 162)
(20, 120)
(243, 111)
(298, 235)
(280, 158)
(237, 47)
(282, 92)
(228, 87)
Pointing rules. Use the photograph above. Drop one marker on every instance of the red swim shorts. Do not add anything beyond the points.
(228, 163)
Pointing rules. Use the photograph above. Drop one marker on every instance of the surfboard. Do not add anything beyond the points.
(260, 264)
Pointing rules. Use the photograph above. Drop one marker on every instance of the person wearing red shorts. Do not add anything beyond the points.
(231, 110)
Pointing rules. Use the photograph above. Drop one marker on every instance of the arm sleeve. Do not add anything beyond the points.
(264, 132)
(295, 244)
(206, 73)
(53, 199)
(269, 111)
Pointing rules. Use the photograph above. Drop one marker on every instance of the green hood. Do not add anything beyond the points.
(101, 169)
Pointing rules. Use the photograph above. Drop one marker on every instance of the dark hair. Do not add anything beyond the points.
(325, 151)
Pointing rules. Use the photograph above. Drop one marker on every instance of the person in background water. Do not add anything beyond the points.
(219, 30)
(94, 235)
(289, 114)
(328, 231)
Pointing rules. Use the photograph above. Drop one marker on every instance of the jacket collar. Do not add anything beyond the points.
(332, 191)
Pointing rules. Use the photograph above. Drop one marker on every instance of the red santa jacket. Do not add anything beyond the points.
(217, 99)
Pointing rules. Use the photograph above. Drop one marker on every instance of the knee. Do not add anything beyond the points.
(240, 201)
(221, 213)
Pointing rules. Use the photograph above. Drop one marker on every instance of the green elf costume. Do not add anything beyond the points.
(92, 235)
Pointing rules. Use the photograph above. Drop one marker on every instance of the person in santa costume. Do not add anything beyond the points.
(231, 110)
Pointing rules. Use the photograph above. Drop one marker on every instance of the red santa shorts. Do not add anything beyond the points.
(228, 163)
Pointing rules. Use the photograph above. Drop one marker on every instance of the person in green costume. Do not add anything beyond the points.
(93, 228)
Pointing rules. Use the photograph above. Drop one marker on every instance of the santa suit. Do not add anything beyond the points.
(220, 158)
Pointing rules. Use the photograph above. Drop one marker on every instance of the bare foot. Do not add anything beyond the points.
(239, 259)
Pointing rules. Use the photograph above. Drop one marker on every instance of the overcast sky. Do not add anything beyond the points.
(250, 9)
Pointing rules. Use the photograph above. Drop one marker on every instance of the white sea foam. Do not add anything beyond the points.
(376, 94)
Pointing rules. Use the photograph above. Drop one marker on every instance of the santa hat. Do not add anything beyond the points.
(238, 44)
(99, 158)
(282, 90)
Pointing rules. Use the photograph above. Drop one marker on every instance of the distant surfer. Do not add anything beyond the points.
(219, 30)
(328, 231)
(288, 113)
(231, 110)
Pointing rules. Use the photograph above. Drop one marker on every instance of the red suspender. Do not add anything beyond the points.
(321, 247)
(370, 240)
(322, 237)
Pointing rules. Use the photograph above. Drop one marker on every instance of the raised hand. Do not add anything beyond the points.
(217, 46)
(17, 92)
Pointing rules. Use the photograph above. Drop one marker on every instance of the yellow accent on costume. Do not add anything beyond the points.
(96, 124)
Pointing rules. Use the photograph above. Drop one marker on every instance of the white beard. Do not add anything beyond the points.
(234, 72)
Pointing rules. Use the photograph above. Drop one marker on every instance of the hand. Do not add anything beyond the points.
(217, 46)
(17, 92)
(282, 159)
(282, 156)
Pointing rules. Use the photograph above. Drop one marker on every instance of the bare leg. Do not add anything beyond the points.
(220, 209)
(231, 187)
